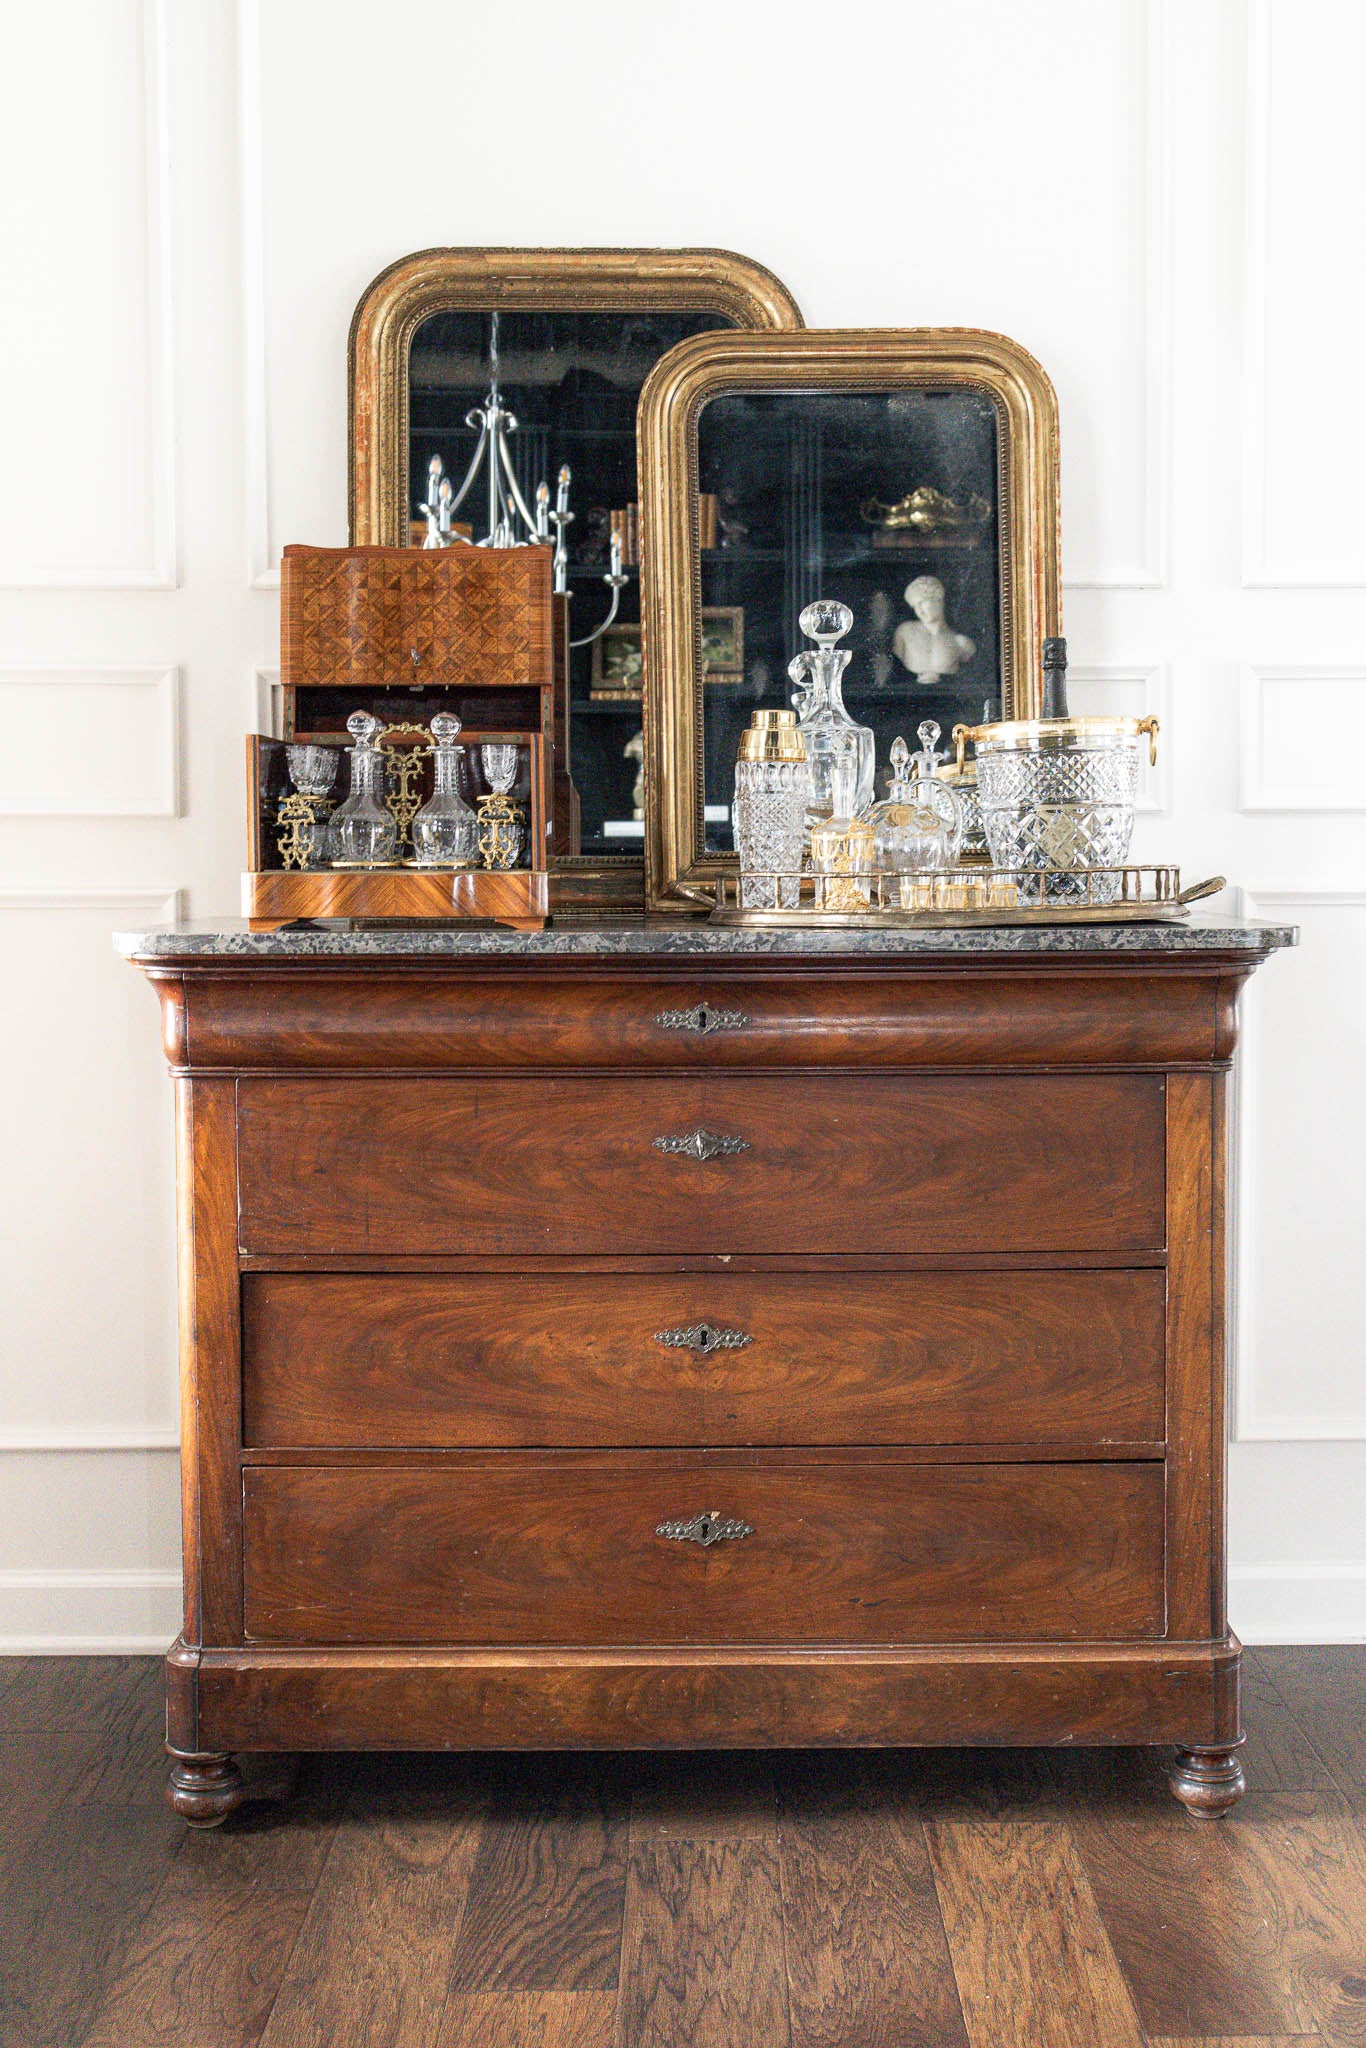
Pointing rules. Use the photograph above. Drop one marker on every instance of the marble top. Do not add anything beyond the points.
(657, 938)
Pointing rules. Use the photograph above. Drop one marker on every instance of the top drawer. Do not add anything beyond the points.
(1060, 1015)
(571, 1164)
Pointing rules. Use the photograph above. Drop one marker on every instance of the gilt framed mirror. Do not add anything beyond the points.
(910, 473)
(566, 338)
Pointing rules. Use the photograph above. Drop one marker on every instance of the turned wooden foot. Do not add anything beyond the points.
(1208, 1781)
(205, 1789)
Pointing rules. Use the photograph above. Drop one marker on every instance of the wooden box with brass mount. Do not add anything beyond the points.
(670, 1336)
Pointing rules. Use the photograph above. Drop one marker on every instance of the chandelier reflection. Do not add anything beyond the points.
(512, 523)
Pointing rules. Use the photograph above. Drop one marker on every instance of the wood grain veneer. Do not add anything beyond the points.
(527, 1552)
(847, 1163)
(426, 1359)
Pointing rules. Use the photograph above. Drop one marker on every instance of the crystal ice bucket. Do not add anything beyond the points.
(1057, 796)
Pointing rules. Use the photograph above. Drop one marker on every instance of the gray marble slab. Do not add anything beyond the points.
(655, 938)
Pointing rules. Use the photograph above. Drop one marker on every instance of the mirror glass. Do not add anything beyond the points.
(887, 501)
(572, 380)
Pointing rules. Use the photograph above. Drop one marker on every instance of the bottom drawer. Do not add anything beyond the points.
(544, 1551)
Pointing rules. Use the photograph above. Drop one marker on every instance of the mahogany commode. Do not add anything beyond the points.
(644, 1335)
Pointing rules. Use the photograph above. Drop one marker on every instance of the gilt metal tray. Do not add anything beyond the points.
(954, 897)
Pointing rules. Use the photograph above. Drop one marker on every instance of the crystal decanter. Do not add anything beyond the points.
(362, 833)
(445, 831)
(919, 824)
(828, 732)
(770, 811)
(842, 846)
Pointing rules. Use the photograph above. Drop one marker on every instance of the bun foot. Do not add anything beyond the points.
(204, 1790)
(1207, 1781)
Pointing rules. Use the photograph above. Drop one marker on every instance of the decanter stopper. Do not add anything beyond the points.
(900, 758)
(363, 726)
(446, 728)
(826, 621)
(927, 761)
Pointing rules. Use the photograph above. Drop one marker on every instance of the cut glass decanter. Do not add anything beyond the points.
(828, 732)
(362, 833)
(445, 830)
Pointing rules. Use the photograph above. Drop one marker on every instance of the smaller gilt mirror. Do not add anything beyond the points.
(911, 474)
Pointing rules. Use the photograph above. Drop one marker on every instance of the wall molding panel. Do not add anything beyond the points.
(263, 570)
(1325, 775)
(1298, 1603)
(161, 569)
(1264, 568)
(1152, 568)
(1252, 1422)
(120, 751)
(1130, 689)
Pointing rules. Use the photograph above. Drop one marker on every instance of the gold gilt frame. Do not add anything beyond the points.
(712, 366)
(581, 280)
(452, 280)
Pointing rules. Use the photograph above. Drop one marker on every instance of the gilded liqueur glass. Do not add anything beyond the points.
(842, 846)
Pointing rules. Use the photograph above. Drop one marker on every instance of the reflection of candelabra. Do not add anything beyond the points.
(511, 521)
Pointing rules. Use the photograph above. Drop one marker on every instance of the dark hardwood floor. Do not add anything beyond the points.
(887, 1900)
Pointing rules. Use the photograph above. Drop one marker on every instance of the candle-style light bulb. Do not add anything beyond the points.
(562, 494)
(543, 510)
(615, 570)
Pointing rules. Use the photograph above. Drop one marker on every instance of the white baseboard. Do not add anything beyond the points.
(88, 1614)
(1298, 1603)
(132, 1612)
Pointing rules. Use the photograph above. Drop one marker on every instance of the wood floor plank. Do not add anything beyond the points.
(1324, 1686)
(1303, 1858)
(69, 1914)
(1191, 1937)
(548, 1886)
(1114, 1781)
(205, 1970)
(702, 1961)
(372, 1960)
(706, 1797)
(52, 1695)
(1279, 1755)
(530, 2019)
(1031, 1957)
(1236, 2041)
(867, 1958)
(1001, 1784)
(270, 1846)
(126, 1758)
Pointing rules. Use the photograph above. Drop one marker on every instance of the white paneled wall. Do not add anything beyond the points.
(1160, 200)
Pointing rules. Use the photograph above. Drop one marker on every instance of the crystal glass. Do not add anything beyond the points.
(842, 846)
(445, 831)
(770, 811)
(501, 824)
(828, 732)
(362, 833)
(1058, 795)
(304, 814)
(499, 760)
(312, 770)
(919, 825)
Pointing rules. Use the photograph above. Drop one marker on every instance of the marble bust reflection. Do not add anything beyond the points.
(927, 644)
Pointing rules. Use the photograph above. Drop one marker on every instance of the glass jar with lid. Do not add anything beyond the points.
(829, 734)
(770, 811)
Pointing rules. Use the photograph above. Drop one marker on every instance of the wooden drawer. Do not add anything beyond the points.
(542, 1551)
(483, 1360)
(894, 1014)
(582, 1164)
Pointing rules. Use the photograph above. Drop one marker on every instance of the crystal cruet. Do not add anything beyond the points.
(445, 830)
(362, 833)
(919, 823)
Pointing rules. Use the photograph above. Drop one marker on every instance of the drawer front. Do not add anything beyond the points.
(484, 1360)
(970, 1017)
(729, 1163)
(528, 1552)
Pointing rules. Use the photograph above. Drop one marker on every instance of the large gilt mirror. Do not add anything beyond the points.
(911, 474)
(563, 341)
